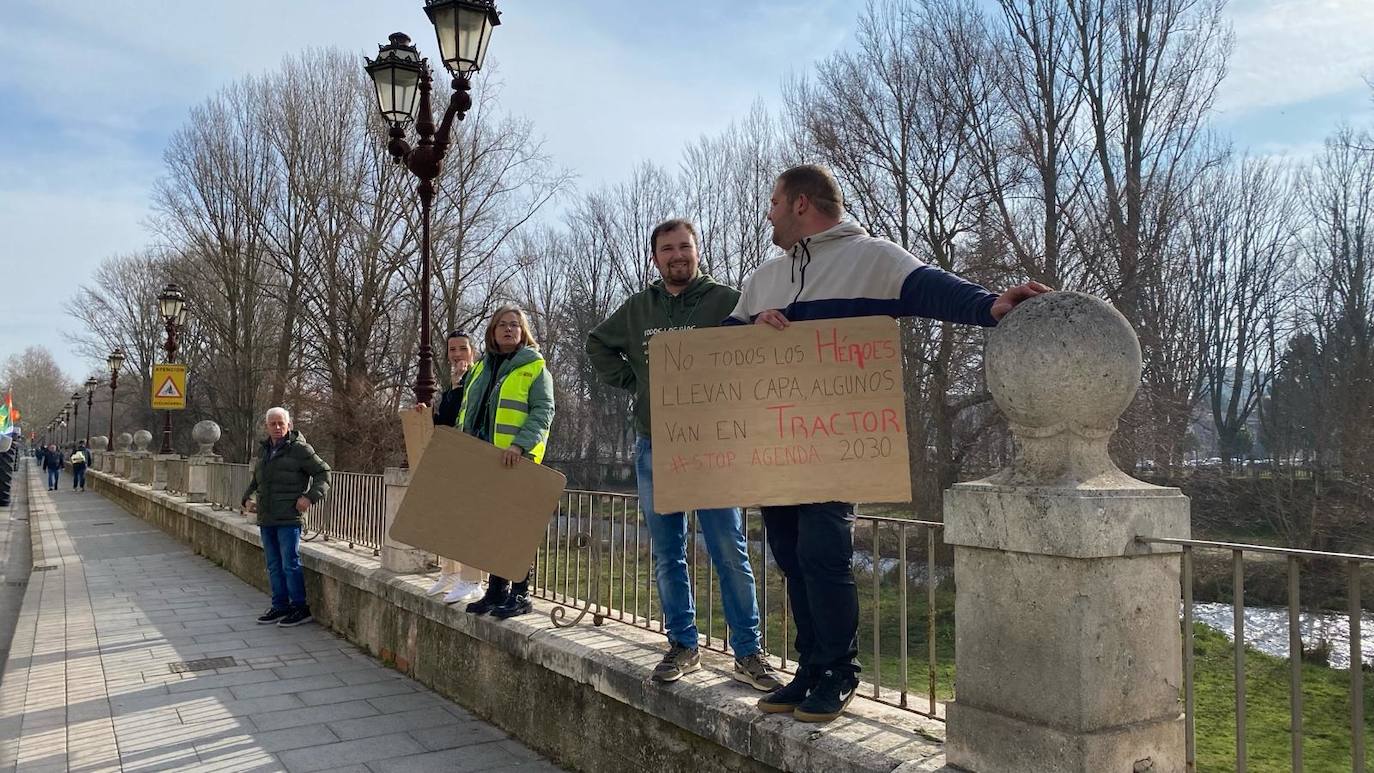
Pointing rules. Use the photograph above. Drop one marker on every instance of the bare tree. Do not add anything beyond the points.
(1241, 237)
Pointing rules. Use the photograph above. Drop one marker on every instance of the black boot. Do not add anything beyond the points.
(518, 604)
(493, 598)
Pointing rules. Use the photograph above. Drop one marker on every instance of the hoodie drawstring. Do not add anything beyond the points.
(806, 261)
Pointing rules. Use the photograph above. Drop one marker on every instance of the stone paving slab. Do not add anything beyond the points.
(88, 687)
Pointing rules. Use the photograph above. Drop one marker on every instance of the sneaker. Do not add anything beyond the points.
(272, 615)
(464, 591)
(517, 604)
(439, 584)
(487, 603)
(790, 696)
(677, 663)
(828, 698)
(755, 670)
(298, 616)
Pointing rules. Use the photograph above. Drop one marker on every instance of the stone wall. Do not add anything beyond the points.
(580, 696)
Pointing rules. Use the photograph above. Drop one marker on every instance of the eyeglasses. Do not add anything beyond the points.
(510, 325)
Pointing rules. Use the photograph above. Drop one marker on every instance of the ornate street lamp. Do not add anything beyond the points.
(172, 306)
(399, 73)
(76, 412)
(463, 28)
(91, 384)
(66, 423)
(115, 361)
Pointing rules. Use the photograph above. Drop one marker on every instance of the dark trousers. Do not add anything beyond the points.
(813, 545)
(78, 476)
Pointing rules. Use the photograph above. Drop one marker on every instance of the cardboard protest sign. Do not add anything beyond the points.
(464, 505)
(750, 415)
(417, 427)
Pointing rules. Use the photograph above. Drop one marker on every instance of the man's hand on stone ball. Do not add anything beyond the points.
(1014, 295)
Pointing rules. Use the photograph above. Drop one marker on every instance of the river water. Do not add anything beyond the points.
(1266, 630)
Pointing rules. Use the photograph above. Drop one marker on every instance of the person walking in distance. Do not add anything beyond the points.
(81, 459)
(618, 349)
(52, 463)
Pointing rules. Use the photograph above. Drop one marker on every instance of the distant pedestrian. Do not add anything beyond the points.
(52, 462)
(289, 477)
(80, 460)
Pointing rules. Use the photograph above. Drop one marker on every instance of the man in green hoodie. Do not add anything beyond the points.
(619, 351)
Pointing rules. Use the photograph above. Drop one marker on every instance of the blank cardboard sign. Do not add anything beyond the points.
(417, 426)
(464, 505)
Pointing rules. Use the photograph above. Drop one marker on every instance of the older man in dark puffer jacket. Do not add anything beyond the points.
(289, 477)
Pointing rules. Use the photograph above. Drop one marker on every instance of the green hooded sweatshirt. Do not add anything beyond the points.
(619, 347)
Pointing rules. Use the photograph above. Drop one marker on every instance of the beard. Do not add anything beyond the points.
(679, 274)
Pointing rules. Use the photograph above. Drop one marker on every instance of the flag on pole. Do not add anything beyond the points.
(6, 420)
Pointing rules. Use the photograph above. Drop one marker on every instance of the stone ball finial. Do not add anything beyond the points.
(1063, 367)
(98, 442)
(206, 434)
(1064, 360)
(141, 440)
(123, 440)
(6, 441)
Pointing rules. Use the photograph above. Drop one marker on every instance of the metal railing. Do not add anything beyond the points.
(176, 475)
(354, 511)
(596, 557)
(1294, 559)
(225, 484)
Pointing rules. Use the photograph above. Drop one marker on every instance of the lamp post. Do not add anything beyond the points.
(66, 423)
(115, 361)
(76, 413)
(91, 384)
(400, 75)
(172, 306)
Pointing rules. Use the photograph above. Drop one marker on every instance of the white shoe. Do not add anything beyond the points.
(463, 591)
(440, 584)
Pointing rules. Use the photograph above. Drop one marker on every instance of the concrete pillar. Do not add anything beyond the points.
(159, 481)
(205, 433)
(397, 556)
(1068, 647)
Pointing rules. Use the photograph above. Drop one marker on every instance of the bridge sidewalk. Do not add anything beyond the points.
(115, 608)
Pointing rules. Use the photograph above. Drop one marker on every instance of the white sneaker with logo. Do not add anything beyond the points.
(463, 591)
(440, 584)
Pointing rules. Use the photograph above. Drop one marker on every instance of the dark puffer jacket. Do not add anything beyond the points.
(292, 472)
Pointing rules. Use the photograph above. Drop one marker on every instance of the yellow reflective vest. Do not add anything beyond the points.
(512, 397)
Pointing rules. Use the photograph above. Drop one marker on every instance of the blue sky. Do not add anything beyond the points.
(89, 95)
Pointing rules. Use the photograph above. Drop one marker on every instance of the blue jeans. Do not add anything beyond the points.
(53, 475)
(281, 547)
(723, 533)
(78, 476)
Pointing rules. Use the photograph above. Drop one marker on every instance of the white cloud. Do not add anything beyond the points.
(1291, 51)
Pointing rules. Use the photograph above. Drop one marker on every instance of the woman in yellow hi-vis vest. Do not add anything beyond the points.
(508, 402)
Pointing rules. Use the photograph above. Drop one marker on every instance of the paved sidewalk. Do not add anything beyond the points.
(89, 684)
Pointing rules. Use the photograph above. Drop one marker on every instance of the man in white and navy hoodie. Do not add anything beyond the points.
(835, 269)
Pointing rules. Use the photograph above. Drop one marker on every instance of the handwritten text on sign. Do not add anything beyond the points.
(755, 416)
